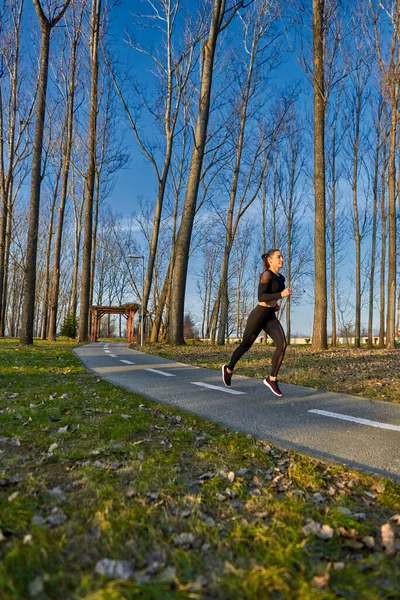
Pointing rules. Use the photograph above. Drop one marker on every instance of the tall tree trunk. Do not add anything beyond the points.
(390, 69)
(383, 247)
(357, 235)
(75, 269)
(94, 237)
(28, 311)
(333, 243)
(3, 216)
(90, 177)
(46, 295)
(175, 332)
(319, 338)
(374, 227)
(7, 179)
(230, 227)
(391, 291)
(69, 121)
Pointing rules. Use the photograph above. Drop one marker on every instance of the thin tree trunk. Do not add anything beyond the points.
(374, 227)
(69, 121)
(175, 331)
(90, 177)
(26, 337)
(94, 237)
(7, 179)
(3, 216)
(319, 339)
(75, 269)
(391, 292)
(28, 313)
(357, 235)
(46, 295)
(333, 242)
(383, 250)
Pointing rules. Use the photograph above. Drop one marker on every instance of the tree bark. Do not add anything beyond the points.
(319, 338)
(382, 287)
(28, 312)
(374, 228)
(90, 176)
(69, 124)
(175, 332)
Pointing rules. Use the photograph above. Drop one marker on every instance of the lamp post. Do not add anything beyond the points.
(140, 256)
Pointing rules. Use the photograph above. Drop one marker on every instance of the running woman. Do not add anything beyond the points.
(263, 317)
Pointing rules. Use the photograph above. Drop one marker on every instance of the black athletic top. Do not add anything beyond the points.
(271, 286)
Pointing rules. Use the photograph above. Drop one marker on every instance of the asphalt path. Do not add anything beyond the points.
(359, 432)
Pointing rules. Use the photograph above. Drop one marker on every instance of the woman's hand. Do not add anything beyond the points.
(287, 292)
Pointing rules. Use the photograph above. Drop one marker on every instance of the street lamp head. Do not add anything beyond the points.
(135, 256)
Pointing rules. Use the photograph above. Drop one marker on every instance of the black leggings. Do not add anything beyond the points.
(262, 318)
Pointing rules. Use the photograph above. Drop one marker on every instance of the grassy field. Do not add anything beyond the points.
(369, 373)
(105, 496)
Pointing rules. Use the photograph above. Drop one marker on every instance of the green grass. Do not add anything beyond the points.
(130, 487)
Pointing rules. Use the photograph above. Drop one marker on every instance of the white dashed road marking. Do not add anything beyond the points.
(107, 351)
(216, 387)
(127, 362)
(113, 355)
(160, 372)
(326, 413)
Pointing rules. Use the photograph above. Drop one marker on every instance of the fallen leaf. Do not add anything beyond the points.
(395, 519)
(388, 538)
(368, 541)
(354, 544)
(320, 581)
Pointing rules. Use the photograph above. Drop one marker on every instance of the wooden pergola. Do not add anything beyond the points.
(126, 310)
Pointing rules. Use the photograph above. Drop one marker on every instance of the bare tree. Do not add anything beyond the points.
(69, 76)
(375, 186)
(383, 207)
(15, 118)
(220, 19)
(259, 32)
(336, 138)
(172, 70)
(292, 201)
(359, 64)
(47, 23)
(91, 172)
(319, 336)
(389, 64)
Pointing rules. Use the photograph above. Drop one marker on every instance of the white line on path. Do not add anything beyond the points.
(113, 355)
(107, 351)
(160, 372)
(128, 362)
(216, 387)
(326, 413)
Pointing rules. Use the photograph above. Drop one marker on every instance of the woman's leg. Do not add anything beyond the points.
(255, 324)
(275, 331)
